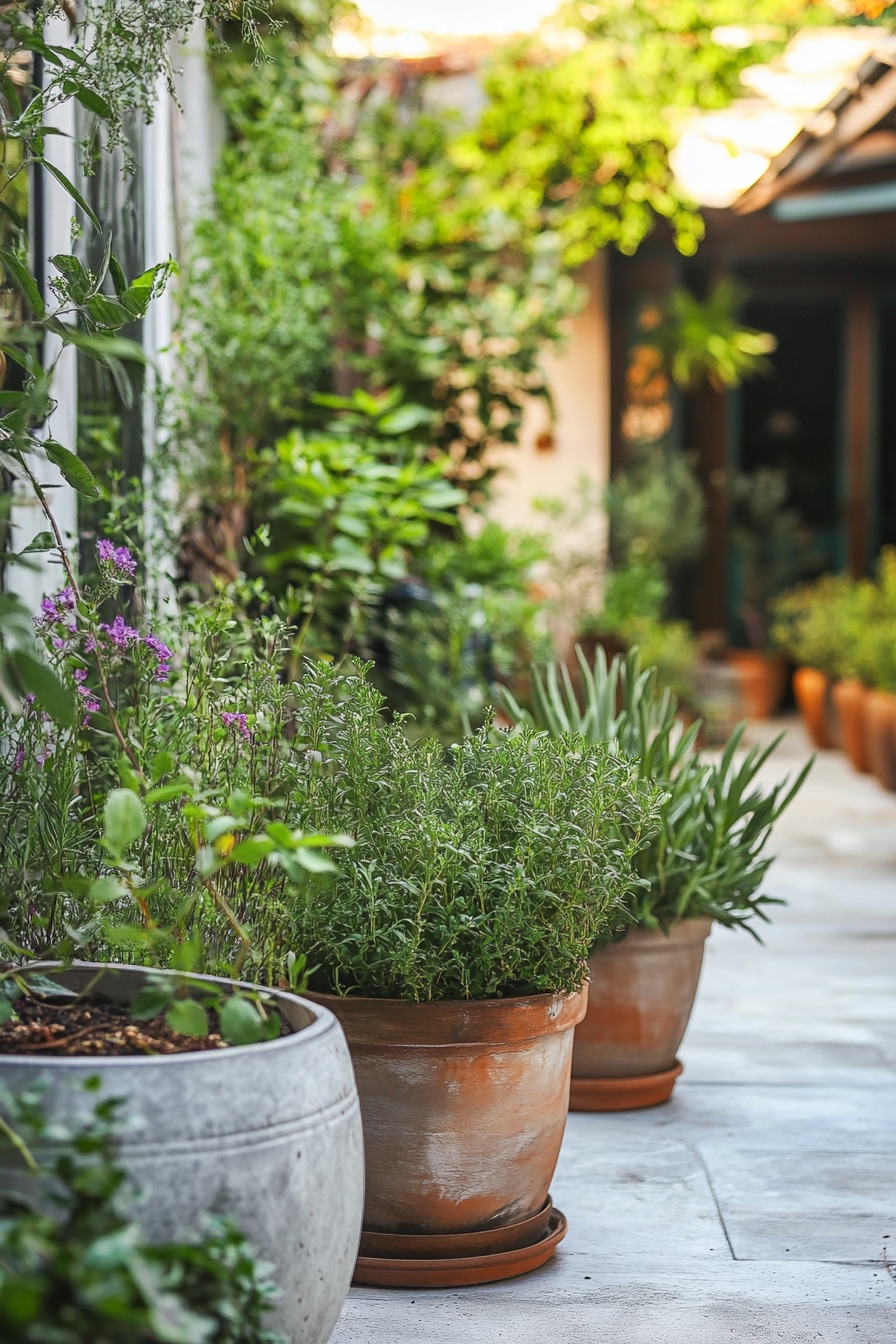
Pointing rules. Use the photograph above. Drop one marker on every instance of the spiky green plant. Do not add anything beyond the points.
(708, 858)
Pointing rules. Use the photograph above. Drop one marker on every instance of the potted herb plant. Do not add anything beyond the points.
(451, 943)
(150, 825)
(874, 653)
(808, 626)
(767, 535)
(705, 864)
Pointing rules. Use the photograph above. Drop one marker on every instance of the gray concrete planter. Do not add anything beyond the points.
(269, 1135)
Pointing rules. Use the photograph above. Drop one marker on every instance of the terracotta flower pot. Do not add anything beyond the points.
(639, 1001)
(880, 736)
(463, 1106)
(849, 704)
(810, 690)
(761, 677)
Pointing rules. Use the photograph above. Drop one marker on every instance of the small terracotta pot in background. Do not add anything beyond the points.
(810, 690)
(640, 999)
(849, 704)
(880, 736)
(463, 1106)
(761, 678)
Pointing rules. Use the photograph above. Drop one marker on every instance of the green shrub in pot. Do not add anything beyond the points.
(707, 860)
(706, 863)
(453, 942)
(480, 870)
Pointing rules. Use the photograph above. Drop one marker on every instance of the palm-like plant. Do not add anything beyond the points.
(708, 859)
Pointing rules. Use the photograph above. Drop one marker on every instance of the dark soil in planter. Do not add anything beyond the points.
(94, 1026)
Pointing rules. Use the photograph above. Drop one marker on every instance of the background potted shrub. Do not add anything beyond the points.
(705, 863)
(461, 919)
(875, 661)
(809, 625)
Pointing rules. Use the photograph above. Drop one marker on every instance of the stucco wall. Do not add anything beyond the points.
(579, 377)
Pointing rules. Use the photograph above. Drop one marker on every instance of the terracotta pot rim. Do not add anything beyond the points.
(450, 1023)
(682, 933)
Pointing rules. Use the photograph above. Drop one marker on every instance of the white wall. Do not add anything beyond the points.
(579, 378)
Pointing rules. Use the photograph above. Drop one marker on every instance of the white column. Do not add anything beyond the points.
(54, 231)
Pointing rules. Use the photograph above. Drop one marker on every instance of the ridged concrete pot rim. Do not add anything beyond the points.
(320, 1019)
(464, 1106)
(641, 997)
(267, 1134)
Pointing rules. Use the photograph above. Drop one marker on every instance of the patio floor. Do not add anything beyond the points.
(760, 1203)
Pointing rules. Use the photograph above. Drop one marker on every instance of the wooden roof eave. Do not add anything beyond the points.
(857, 109)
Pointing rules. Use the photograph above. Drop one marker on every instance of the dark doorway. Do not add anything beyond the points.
(787, 473)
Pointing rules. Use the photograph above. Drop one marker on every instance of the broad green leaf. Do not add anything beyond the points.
(124, 820)
(313, 862)
(44, 541)
(219, 826)
(92, 101)
(153, 999)
(76, 275)
(166, 793)
(160, 765)
(43, 683)
(251, 850)
(105, 889)
(188, 1017)
(78, 475)
(241, 1022)
(25, 281)
(71, 189)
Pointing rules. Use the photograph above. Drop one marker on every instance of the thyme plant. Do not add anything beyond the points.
(708, 858)
(483, 870)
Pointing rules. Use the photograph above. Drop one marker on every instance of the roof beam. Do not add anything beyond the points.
(868, 105)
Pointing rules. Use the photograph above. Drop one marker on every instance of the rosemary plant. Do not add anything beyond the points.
(708, 858)
(483, 870)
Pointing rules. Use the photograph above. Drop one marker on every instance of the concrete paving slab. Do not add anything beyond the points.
(759, 1206)
(805, 1206)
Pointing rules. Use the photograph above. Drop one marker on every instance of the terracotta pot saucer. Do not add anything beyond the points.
(459, 1271)
(623, 1094)
(452, 1245)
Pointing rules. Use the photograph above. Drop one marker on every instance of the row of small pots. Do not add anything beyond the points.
(463, 1108)
(849, 715)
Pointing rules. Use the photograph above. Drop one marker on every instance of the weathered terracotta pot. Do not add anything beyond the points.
(810, 690)
(849, 704)
(639, 1001)
(880, 736)
(463, 1107)
(761, 677)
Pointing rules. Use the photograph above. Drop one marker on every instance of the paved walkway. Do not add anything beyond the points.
(759, 1205)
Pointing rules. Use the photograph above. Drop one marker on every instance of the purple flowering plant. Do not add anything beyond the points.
(164, 824)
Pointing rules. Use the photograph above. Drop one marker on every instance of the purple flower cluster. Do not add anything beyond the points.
(57, 611)
(121, 637)
(163, 656)
(116, 562)
(238, 723)
(91, 704)
(120, 634)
